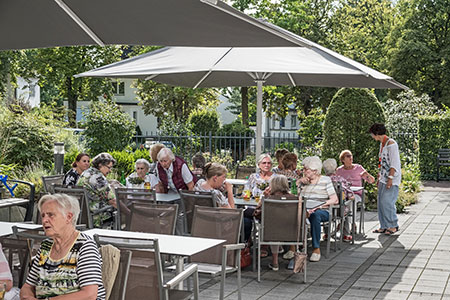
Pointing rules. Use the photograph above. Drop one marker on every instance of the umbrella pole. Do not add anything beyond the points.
(259, 85)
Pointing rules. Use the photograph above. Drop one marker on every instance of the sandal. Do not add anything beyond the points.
(379, 230)
(391, 232)
(264, 253)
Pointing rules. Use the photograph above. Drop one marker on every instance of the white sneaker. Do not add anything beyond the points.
(315, 257)
(288, 255)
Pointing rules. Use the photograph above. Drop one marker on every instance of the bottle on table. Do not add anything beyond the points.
(294, 187)
(147, 185)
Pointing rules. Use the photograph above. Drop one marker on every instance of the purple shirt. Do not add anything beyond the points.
(353, 176)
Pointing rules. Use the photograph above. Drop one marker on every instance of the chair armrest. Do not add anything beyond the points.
(103, 209)
(181, 277)
(232, 247)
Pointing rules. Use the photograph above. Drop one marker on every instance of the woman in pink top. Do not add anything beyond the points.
(353, 173)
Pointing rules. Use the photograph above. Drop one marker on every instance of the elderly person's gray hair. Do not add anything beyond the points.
(166, 153)
(329, 166)
(142, 161)
(102, 159)
(261, 157)
(279, 183)
(67, 204)
(313, 163)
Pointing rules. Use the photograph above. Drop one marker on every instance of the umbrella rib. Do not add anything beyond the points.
(291, 79)
(80, 22)
(210, 70)
(151, 77)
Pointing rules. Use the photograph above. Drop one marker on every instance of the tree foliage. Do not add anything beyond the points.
(107, 128)
(419, 48)
(55, 68)
(350, 115)
(203, 121)
(177, 103)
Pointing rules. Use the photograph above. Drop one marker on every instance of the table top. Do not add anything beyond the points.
(6, 227)
(310, 203)
(237, 181)
(169, 197)
(168, 244)
(356, 188)
(8, 202)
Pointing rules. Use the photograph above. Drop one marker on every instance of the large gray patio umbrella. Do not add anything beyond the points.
(312, 65)
(49, 23)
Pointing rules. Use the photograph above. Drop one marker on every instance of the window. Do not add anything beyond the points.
(118, 88)
(282, 122)
(273, 122)
(135, 116)
(293, 121)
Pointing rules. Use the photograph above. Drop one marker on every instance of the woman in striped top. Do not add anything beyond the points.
(67, 266)
(320, 188)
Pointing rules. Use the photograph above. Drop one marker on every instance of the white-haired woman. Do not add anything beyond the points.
(329, 167)
(97, 186)
(259, 181)
(321, 188)
(68, 264)
(173, 173)
(138, 178)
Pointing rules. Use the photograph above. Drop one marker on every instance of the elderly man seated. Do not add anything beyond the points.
(173, 173)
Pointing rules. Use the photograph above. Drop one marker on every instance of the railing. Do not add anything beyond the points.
(238, 146)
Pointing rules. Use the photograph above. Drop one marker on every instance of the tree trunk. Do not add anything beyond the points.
(244, 105)
(71, 103)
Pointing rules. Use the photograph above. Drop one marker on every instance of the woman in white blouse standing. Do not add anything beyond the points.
(389, 179)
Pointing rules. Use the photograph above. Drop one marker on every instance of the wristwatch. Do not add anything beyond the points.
(391, 177)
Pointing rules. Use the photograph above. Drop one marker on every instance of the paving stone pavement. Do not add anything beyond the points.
(414, 264)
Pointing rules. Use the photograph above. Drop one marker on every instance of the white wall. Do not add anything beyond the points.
(28, 91)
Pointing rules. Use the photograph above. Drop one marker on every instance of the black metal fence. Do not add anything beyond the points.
(238, 146)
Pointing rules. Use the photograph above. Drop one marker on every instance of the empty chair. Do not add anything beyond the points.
(125, 197)
(78, 193)
(115, 287)
(190, 199)
(49, 181)
(280, 225)
(21, 248)
(223, 223)
(146, 279)
(242, 172)
(153, 218)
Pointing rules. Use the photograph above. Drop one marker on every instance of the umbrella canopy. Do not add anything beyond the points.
(49, 23)
(310, 65)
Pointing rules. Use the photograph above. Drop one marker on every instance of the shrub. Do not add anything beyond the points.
(239, 141)
(434, 133)
(107, 128)
(204, 121)
(402, 119)
(125, 162)
(32, 173)
(311, 132)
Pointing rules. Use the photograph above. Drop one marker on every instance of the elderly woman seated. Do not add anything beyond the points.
(259, 181)
(329, 167)
(100, 192)
(173, 173)
(68, 264)
(215, 175)
(317, 187)
(141, 177)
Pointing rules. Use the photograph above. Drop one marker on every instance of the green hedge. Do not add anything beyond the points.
(434, 134)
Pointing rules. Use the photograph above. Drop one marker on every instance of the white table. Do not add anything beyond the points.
(237, 181)
(169, 197)
(179, 246)
(310, 203)
(6, 227)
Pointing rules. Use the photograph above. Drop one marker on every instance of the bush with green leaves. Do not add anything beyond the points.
(31, 173)
(203, 121)
(434, 134)
(311, 132)
(107, 128)
(239, 139)
(27, 137)
(126, 159)
(402, 119)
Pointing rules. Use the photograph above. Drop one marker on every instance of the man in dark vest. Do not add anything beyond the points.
(173, 173)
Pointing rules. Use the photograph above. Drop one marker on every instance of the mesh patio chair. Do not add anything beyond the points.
(223, 223)
(118, 289)
(153, 218)
(49, 181)
(189, 200)
(242, 172)
(92, 213)
(279, 225)
(146, 279)
(21, 248)
(125, 197)
(78, 193)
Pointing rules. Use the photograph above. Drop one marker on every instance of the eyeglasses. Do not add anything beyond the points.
(348, 155)
(266, 163)
(109, 167)
(140, 168)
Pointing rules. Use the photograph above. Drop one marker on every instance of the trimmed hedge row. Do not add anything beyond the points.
(434, 134)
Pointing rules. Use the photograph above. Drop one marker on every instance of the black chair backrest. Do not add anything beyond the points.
(126, 196)
(21, 248)
(78, 193)
(49, 181)
(153, 218)
(244, 171)
(190, 199)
